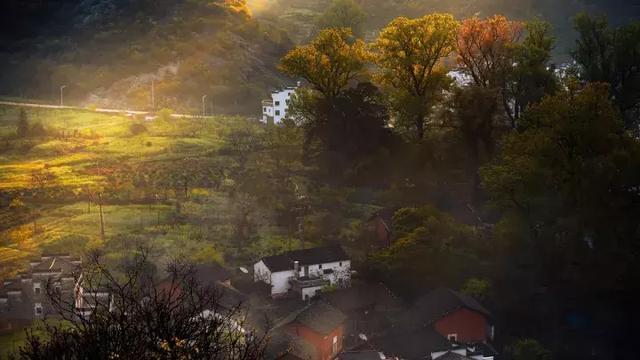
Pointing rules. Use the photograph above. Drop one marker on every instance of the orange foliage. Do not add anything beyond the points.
(485, 48)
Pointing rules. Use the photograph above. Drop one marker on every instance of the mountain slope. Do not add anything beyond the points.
(108, 52)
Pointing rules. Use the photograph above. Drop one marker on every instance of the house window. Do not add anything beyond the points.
(264, 109)
(37, 308)
(36, 288)
(335, 345)
(277, 103)
(340, 263)
(320, 266)
(277, 112)
(452, 337)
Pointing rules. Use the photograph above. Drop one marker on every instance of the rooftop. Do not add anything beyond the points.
(318, 316)
(313, 256)
(438, 303)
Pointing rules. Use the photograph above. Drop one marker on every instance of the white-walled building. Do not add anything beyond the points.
(305, 271)
(275, 109)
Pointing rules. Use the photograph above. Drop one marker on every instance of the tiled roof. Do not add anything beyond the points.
(440, 302)
(313, 256)
(318, 316)
(411, 344)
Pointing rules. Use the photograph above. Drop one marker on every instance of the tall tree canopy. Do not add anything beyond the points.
(612, 56)
(570, 176)
(409, 53)
(329, 62)
(485, 48)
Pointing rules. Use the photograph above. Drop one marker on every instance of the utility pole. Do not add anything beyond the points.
(62, 94)
(101, 218)
(153, 95)
(204, 106)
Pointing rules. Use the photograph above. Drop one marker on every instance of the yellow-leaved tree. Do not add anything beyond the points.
(332, 60)
(409, 54)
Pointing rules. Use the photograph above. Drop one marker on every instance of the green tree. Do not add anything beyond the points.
(568, 176)
(409, 54)
(426, 245)
(343, 14)
(532, 75)
(476, 287)
(527, 349)
(329, 63)
(23, 127)
(613, 56)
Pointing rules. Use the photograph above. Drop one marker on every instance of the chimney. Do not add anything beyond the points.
(296, 269)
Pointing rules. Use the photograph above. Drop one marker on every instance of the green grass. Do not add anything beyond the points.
(92, 140)
(10, 343)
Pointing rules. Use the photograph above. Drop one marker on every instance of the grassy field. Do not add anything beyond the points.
(86, 140)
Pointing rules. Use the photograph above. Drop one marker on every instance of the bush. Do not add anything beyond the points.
(165, 114)
(477, 288)
(38, 130)
(137, 129)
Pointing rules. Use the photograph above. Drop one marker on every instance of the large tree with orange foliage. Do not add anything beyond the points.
(485, 48)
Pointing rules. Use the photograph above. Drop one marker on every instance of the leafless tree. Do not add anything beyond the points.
(128, 315)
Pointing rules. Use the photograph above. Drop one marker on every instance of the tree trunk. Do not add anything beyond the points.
(101, 220)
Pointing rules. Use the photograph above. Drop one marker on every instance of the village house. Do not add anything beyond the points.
(305, 272)
(458, 317)
(25, 298)
(275, 109)
(314, 332)
(370, 310)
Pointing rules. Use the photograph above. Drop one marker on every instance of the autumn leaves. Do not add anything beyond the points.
(409, 60)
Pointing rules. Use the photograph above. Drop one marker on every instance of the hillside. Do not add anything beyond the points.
(108, 52)
(298, 16)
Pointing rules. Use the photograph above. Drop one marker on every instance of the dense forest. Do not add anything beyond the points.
(516, 181)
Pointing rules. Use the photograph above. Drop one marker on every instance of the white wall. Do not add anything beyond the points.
(308, 293)
(261, 272)
(280, 104)
(280, 282)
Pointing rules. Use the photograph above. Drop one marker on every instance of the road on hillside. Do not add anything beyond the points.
(98, 110)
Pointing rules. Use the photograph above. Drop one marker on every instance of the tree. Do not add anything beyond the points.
(527, 349)
(612, 56)
(425, 245)
(343, 14)
(409, 53)
(177, 318)
(532, 75)
(23, 124)
(476, 287)
(485, 49)
(329, 62)
(569, 176)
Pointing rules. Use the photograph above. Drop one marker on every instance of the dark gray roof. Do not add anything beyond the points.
(411, 344)
(440, 302)
(483, 349)
(320, 317)
(319, 255)
(363, 296)
(359, 355)
(452, 356)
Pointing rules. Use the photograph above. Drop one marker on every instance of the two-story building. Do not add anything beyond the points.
(26, 297)
(275, 109)
(306, 271)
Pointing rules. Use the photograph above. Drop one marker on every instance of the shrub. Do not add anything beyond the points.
(137, 129)
(165, 114)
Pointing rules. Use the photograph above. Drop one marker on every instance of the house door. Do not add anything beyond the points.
(306, 271)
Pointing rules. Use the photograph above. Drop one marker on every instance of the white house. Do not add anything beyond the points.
(275, 109)
(305, 271)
